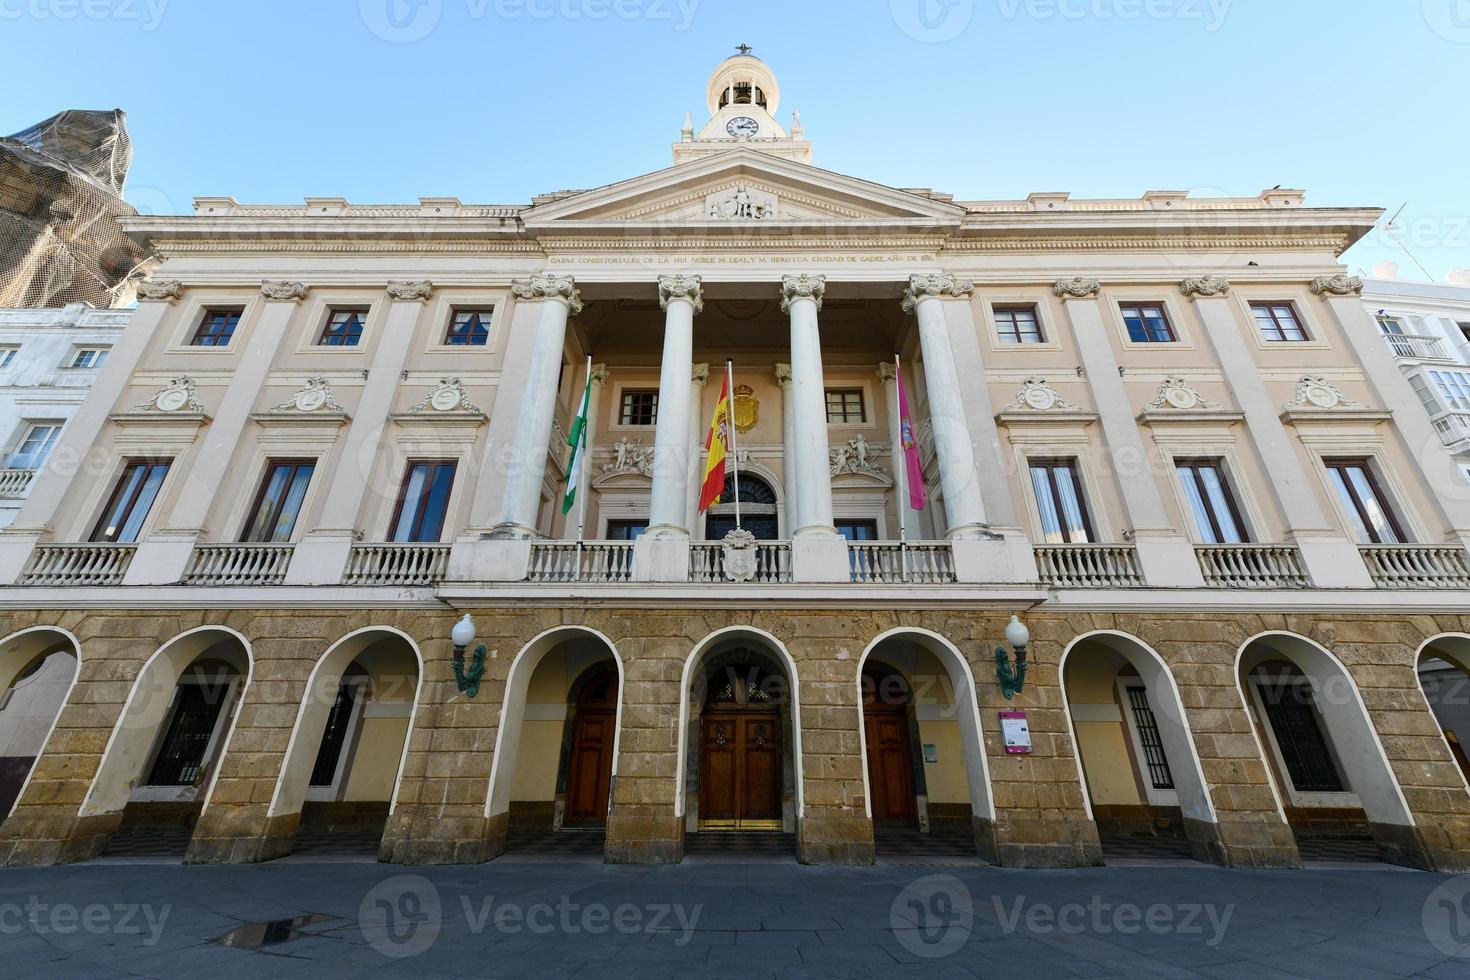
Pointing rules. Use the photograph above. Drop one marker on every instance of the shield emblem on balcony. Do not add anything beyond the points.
(747, 409)
(739, 555)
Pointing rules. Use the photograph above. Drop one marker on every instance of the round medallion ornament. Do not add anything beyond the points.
(444, 399)
(1321, 396)
(171, 399)
(310, 399)
(1040, 399)
(1181, 398)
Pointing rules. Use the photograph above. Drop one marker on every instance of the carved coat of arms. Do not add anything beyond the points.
(747, 409)
(739, 555)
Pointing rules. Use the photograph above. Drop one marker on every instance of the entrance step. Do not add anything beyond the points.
(1345, 848)
(907, 846)
(557, 843)
(1144, 847)
(740, 845)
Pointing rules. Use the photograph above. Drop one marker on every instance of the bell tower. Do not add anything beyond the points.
(742, 97)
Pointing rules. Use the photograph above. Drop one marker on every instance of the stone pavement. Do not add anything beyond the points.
(705, 918)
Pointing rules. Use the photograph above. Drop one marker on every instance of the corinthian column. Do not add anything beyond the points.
(681, 298)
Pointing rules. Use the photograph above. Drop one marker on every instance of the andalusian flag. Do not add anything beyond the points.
(578, 441)
(717, 445)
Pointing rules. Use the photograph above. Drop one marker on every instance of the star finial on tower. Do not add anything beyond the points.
(743, 48)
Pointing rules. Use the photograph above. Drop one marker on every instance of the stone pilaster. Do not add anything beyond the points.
(836, 828)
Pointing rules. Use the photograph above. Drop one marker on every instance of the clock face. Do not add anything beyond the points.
(742, 127)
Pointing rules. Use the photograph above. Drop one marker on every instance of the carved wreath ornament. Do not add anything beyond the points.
(314, 396)
(177, 396)
(1038, 396)
(447, 397)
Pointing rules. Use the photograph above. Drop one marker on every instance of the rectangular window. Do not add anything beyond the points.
(343, 329)
(1373, 519)
(857, 529)
(626, 530)
(278, 502)
(131, 500)
(1454, 388)
(1292, 711)
(1211, 502)
(35, 446)
(217, 327)
(1278, 321)
(469, 328)
(181, 751)
(639, 407)
(1147, 323)
(88, 357)
(423, 501)
(1059, 497)
(1018, 325)
(7, 354)
(1147, 725)
(845, 406)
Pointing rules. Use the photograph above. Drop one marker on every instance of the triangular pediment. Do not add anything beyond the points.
(741, 188)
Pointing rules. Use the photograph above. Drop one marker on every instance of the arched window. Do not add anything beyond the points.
(757, 510)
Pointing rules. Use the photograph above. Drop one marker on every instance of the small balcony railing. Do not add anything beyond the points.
(921, 562)
(15, 483)
(1417, 566)
(1252, 566)
(772, 562)
(238, 564)
(581, 561)
(1417, 347)
(78, 564)
(1089, 566)
(1453, 427)
(396, 564)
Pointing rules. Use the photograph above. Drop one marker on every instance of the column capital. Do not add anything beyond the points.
(699, 374)
(934, 285)
(1338, 285)
(283, 290)
(161, 290)
(887, 374)
(680, 286)
(598, 377)
(1077, 287)
(802, 286)
(783, 375)
(1206, 285)
(560, 288)
(419, 290)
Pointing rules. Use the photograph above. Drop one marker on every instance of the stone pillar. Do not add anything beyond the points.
(662, 554)
(1332, 561)
(909, 519)
(33, 522)
(320, 558)
(598, 380)
(834, 827)
(643, 826)
(819, 553)
(698, 378)
(1165, 556)
(162, 558)
(788, 445)
(1416, 435)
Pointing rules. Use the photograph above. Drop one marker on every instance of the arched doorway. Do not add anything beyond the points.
(758, 510)
(740, 746)
(926, 777)
(37, 670)
(160, 764)
(1140, 771)
(555, 763)
(1329, 770)
(1443, 666)
(347, 749)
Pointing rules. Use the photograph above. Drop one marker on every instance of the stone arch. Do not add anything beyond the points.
(713, 645)
(316, 705)
(19, 741)
(1452, 713)
(133, 736)
(513, 716)
(1348, 731)
(1200, 821)
(967, 709)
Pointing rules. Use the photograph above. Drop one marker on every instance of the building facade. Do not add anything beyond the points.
(1164, 433)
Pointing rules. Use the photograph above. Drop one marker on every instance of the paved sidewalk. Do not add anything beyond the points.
(723, 919)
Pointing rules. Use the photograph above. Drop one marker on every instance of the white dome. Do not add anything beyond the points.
(752, 79)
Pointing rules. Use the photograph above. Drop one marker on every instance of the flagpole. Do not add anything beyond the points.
(734, 450)
(897, 454)
(585, 475)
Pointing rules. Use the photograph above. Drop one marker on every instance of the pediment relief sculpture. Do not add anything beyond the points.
(178, 397)
(1038, 396)
(1178, 395)
(449, 396)
(629, 457)
(314, 396)
(1316, 393)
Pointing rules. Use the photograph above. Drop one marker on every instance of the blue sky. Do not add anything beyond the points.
(1360, 103)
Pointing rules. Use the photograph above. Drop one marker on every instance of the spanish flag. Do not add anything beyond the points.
(717, 446)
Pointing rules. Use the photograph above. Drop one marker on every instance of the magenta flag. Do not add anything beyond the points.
(913, 472)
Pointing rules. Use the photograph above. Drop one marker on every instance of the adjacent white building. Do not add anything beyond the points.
(48, 361)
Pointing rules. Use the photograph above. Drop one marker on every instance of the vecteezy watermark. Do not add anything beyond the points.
(1210, 13)
(406, 21)
(148, 12)
(933, 917)
(403, 916)
(1446, 917)
(1450, 19)
(1100, 918)
(63, 919)
(932, 21)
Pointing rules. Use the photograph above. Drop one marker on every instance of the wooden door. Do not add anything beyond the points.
(740, 770)
(589, 769)
(890, 764)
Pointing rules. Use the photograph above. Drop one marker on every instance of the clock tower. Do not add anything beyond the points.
(743, 97)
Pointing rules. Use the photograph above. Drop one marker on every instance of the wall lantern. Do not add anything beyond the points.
(1011, 679)
(463, 635)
